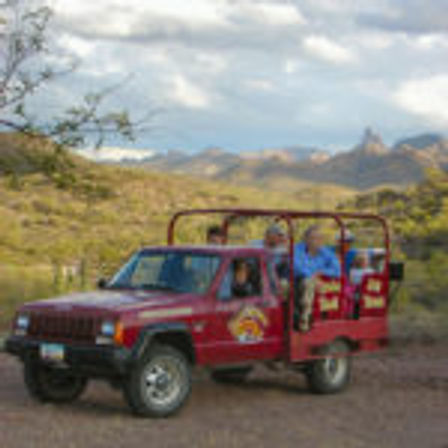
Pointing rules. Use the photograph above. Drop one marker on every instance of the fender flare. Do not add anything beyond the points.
(148, 333)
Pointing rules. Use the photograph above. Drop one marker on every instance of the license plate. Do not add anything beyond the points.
(52, 352)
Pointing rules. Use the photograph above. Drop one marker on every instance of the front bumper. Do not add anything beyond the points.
(92, 360)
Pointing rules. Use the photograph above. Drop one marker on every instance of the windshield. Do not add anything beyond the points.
(171, 271)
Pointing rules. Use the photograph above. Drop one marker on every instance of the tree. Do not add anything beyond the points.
(25, 68)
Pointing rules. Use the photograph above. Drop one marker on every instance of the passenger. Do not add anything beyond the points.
(376, 259)
(361, 267)
(276, 243)
(346, 245)
(241, 285)
(274, 238)
(215, 235)
(311, 258)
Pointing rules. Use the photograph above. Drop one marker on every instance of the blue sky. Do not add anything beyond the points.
(244, 74)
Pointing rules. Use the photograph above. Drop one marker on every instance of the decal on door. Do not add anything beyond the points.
(248, 325)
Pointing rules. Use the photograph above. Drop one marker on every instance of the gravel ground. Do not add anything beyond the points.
(396, 399)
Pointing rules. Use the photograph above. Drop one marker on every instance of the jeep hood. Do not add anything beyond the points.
(109, 300)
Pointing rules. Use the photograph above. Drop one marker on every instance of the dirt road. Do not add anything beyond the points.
(397, 399)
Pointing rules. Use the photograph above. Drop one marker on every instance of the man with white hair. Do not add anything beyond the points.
(311, 258)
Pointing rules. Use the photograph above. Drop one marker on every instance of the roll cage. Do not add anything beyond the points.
(288, 216)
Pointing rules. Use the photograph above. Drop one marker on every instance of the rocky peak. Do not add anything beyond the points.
(372, 143)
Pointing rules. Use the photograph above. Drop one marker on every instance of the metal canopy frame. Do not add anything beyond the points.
(289, 216)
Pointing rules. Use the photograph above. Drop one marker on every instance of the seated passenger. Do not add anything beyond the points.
(215, 235)
(276, 243)
(346, 245)
(241, 285)
(361, 267)
(377, 258)
(274, 238)
(311, 258)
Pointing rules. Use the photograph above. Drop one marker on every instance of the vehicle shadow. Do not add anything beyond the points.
(278, 382)
(102, 403)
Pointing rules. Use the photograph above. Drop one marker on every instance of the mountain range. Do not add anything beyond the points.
(368, 164)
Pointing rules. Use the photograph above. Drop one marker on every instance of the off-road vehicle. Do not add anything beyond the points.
(170, 309)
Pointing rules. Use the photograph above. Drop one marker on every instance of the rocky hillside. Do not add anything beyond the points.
(369, 164)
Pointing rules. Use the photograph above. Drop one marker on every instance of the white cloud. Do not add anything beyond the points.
(108, 67)
(185, 93)
(429, 41)
(260, 84)
(275, 14)
(76, 45)
(323, 48)
(118, 19)
(374, 41)
(117, 12)
(291, 66)
(426, 97)
(320, 109)
(193, 11)
(115, 154)
(212, 62)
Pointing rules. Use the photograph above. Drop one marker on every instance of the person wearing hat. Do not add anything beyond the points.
(274, 237)
(346, 246)
(275, 242)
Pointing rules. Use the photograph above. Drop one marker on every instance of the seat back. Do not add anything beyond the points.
(329, 300)
(373, 295)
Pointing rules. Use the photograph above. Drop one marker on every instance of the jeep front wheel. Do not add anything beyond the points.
(48, 384)
(330, 374)
(160, 383)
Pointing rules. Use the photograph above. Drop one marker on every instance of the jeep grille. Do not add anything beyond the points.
(64, 327)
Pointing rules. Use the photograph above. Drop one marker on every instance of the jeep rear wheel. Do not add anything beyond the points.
(160, 382)
(48, 384)
(330, 374)
(231, 375)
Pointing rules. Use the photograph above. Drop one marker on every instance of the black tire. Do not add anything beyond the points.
(170, 373)
(231, 375)
(330, 374)
(48, 384)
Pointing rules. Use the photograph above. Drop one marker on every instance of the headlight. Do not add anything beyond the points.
(108, 328)
(110, 333)
(107, 333)
(22, 324)
(23, 321)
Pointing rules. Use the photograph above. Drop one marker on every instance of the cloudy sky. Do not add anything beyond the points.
(244, 74)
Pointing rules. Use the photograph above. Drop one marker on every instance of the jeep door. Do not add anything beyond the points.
(247, 325)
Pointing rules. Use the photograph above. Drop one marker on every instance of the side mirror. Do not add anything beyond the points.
(396, 271)
(101, 283)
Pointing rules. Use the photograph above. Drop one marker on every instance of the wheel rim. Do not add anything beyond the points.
(334, 369)
(161, 381)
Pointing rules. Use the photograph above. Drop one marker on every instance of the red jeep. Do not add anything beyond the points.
(171, 308)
